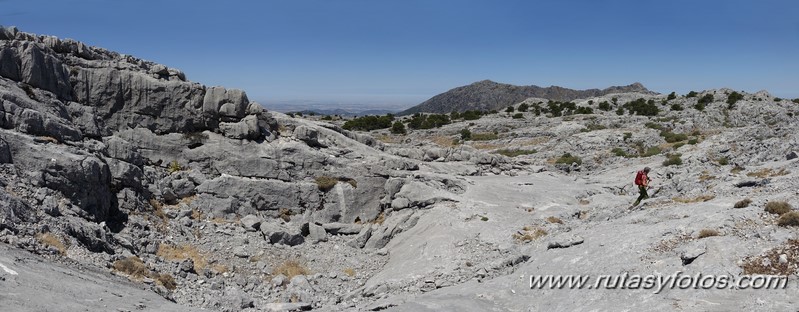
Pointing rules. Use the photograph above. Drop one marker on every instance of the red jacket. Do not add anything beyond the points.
(641, 178)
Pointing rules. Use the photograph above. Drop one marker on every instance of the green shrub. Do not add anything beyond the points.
(514, 152)
(620, 111)
(672, 160)
(778, 207)
(733, 98)
(676, 107)
(678, 145)
(466, 135)
(584, 110)
(693, 141)
(776, 99)
(605, 106)
(523, 107)
(472, 115)
(699, 106)
(518, 116)
(706, 99)
(671, 96)
(568, 159)
(398, 128)
(174, 166)
(642, 107)
(369, 123)
(672, 137)
(743, 203)
(691, 94)
(796, 100)
(723, 161)
(627, 135)
(327, 117)
(619, 152)
(510, 109)
(423, 121)
(653, 125)
(789, 219)
(615, 100)
(652, 151)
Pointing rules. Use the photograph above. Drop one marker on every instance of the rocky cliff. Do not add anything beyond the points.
(487, 95)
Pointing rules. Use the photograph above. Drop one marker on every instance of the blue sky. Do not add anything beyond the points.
(402, 52)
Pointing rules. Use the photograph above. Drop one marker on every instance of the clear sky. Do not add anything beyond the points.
(401, 52)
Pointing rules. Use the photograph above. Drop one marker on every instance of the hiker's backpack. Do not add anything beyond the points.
(639, 177)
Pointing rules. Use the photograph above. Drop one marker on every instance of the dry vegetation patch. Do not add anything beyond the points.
(529, 233)
(743, 203)
(707, 233)
(767, 172)
(135, 269)
(778, 207)
(51, 240)
(554, 220)
(443, 141)
(183, 252)
(789, 219)
(769, 263)
(700, 198)
(291, 268)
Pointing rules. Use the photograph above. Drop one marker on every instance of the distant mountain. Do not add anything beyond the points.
(489, 95)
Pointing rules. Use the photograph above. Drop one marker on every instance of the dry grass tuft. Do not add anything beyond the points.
(443, 141)
(705, 176)
(701, 198)
(529, 234)
(165, 280)
(133, 267)
(789, 219)
(768, 172)
(53, 241)
(350, 272)
(183, 252)
(707, 233)
(743, 203)
(291, 268)
(778, 207)
(136, 270)
(219, 268)
(380, 218)
(285, 214)
(485, 146)
(554, 219)
(196, 214)
(326, 183)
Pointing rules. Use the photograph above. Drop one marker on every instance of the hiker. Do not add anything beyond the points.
(642, 180)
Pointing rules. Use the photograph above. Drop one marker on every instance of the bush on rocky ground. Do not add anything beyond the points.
(778, 207)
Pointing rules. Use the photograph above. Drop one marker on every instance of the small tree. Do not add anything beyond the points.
(398, 128)
(671, 96)
(466, 135)
(691, 94)
(733, 98)
(509, 109)
(523, 107)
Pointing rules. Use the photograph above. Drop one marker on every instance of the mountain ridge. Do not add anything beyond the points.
(489, 95)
